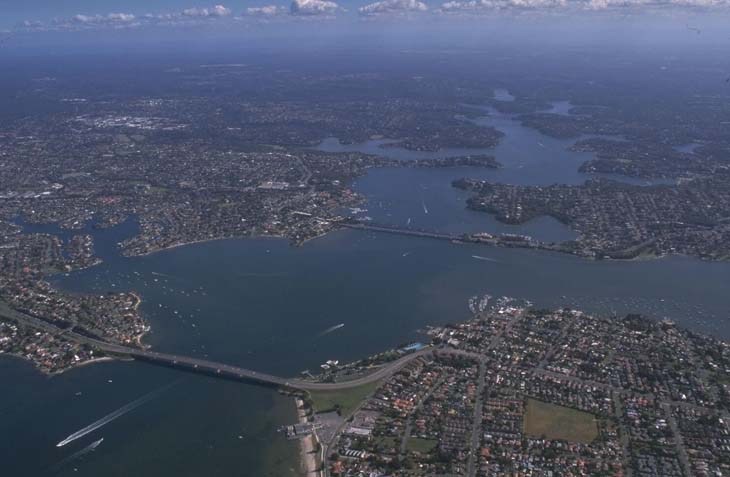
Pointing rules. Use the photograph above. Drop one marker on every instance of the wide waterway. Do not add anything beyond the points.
(424, 198)
(263, 304)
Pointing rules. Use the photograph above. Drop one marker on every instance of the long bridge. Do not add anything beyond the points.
(405, 231)
(508, 240)
(227, 371)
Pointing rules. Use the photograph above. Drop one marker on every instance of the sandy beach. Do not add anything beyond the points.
(101, 359)
(307, 445)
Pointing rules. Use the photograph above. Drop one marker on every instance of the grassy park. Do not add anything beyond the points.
(559, 422)
(346, 400)
(424, 446)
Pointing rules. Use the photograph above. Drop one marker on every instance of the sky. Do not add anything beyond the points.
(95, 21)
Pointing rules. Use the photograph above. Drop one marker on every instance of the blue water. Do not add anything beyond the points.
(106, 240)
(263, 304)
(425, 198)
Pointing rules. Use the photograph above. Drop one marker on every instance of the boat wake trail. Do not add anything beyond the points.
(486, 259)
(90, 448)
(331, 329)
(114, 415)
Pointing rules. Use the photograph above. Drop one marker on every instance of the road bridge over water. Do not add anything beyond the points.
(231, 372)
(404, 231)
(226, 371)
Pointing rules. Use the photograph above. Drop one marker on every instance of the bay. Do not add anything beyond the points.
(263, 304)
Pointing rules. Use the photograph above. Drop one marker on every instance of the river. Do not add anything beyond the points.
(263, 304)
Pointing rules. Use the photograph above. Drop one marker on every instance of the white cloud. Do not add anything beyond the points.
(393, 6)
(83, 18)
(608, 4)
(31, 24)
(497, 5)
(117, 20)
(268, 10)
(314, 7)
(121, 17)
(104, 19)
(216, 11)
(697, 3)
(328, 9)
(476, 5)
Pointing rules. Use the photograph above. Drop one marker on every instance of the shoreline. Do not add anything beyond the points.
(135, 307)
(50, 374)
(101, 359)
(216, 239)
(542, 247)
(539, 246)
(307, 445)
